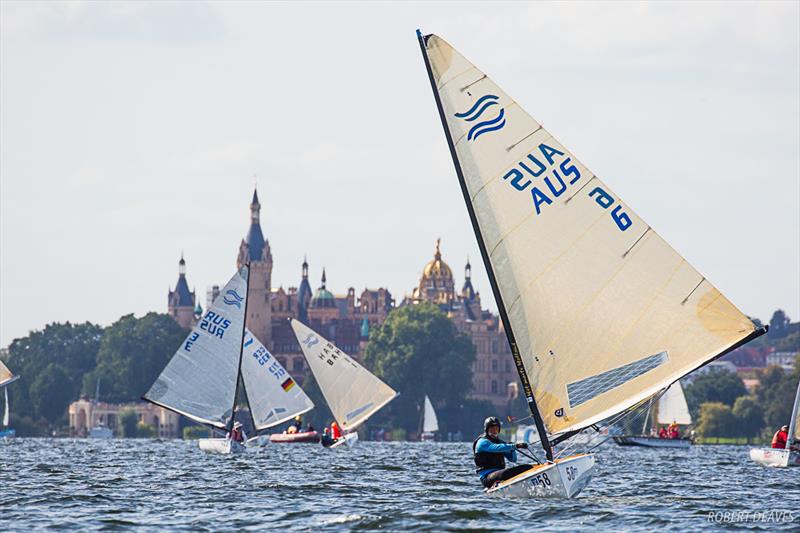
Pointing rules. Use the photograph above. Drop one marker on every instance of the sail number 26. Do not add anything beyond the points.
(605, 201)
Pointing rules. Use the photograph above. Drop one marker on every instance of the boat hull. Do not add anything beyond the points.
(564, 478)
(427, 437)
(101, 432)
(8, 433)
(775, 457)
(222, 446)
(652, 442)
(258, 441)
(290, 438)
(350, 439)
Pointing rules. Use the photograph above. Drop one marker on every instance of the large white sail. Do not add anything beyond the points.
(273, 395)
(200, 379)
(429, 422)
(672, 406)
(604, 312)
(6, 376)
(353, 393)
(794, 423)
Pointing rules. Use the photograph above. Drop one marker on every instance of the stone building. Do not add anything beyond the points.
(494, 376)
(181, 301)
(85, 414)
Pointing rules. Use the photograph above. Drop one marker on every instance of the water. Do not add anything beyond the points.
(171, 485)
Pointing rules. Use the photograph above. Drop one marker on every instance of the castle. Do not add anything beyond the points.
(347, 319)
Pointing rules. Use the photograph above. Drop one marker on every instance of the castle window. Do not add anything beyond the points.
(494, 366)
(508, 365)
(297, 365)
(494, 387)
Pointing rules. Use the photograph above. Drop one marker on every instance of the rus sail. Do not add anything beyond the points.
(600, 311)
(672, 406)
(352, 392)
(272, 394)
(430, 423)
(200, 380)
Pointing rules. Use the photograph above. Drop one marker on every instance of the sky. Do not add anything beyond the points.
(132, 132)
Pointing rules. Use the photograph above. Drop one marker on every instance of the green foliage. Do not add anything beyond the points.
(196, 432)
(776, 395)
(715, 386)
(145, 431)
(716, 420)
(133, 351)
(749, 416)
(128, 421)
(398, 434)
(51, 363)
(26, 426)
(779, 324)
(418, 351)
(789, 343)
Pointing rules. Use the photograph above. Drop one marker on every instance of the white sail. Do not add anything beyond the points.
(6, 376)
(7, 414)
(604, 312)
(794, 423)
(200, 379)
(273, 395)
(429, 422)
(672, 406)
(353, 393)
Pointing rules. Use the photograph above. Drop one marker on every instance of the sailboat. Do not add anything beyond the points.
(599, 311)
(430, 424)
(99, 430)
(201, 380)
(353, 393)
(6, 378)
(671, 409)
(790, 455)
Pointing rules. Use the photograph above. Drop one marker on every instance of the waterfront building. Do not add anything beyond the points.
(85, 414)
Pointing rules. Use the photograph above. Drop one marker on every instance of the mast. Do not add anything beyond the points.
(523, 376)
(793, 421)
(241, 351)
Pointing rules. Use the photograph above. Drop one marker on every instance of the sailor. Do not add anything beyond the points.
(336, 433)
(780, 437)
(673, 431)
(326, 439)
(237, 433)
(295, 425)
(490, 454)
(662, 433)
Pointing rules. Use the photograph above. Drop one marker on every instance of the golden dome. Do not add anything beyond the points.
(437, 268)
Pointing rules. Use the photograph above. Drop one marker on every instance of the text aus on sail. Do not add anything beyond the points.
(558, 174)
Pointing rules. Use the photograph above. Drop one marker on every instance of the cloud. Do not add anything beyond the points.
(162, 22)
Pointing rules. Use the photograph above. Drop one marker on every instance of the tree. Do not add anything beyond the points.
(58, 354)
(716, 420)
(133, 351)
(749, 416)
(418, 351)
(779, 324)
(128, 421)
(715, 386)
(789, 343)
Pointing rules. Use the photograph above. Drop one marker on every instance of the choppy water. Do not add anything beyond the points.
(171, 485)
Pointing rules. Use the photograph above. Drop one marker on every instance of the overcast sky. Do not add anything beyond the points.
(132, 131)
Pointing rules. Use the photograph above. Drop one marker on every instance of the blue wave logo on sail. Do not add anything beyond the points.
(232, 298)
(486, 125)
(311, 340)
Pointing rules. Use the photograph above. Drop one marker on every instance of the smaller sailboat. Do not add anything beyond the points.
(99, 430)
(790, 454)
(353, 393)
(201, 381)
(430, 424)
(671, 411)
(6, 378)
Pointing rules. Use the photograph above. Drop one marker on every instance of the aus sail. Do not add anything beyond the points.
(605, 313)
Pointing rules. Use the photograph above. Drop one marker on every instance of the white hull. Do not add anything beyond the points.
(349, 438)
(564, 478)
(223, 446)
(258, 441)
(653, 442)
(100, 432)
(427, 437)
(776, 457)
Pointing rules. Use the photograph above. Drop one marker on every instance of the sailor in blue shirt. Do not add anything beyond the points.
(490, 454)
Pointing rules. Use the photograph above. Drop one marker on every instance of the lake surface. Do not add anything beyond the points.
(171, 485)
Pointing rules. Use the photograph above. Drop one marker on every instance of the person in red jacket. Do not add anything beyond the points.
(336, 433)
(779, 440)
(237, 433)
(662, 433)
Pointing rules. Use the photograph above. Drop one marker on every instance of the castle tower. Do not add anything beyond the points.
(255, 250)
(436, 284)
(180, 302)
(304, 295)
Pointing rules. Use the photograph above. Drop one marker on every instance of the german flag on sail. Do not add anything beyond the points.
(288, 384)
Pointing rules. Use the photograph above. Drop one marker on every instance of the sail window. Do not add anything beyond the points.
(582, 391)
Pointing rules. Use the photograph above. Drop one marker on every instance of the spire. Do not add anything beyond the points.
(438, 255)
(255, 208)
(305, 267)
(182, 266)
(324, 279)
(255, 238)
(468, 270)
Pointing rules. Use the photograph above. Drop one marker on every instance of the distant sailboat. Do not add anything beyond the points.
(600, 312)
(6, 378)
(352, 392)
(790, 454)
(430, 424)
(201, 380)
(99, 430)
(671, 409)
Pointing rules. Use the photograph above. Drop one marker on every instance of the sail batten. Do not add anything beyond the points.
(352, 392)
(586, 285)
(200, 381)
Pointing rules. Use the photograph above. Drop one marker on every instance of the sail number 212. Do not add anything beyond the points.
(605, 201)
